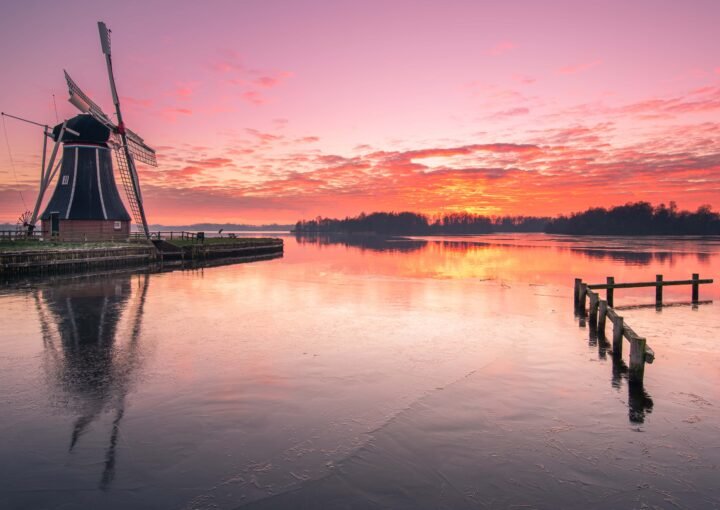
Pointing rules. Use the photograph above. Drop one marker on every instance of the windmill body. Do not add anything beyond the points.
(86, 204)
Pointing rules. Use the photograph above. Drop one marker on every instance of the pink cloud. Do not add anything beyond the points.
(512, 112)
(228, 61)
(135, 104)
(171, 114)
(211, 162)
(183, 91)
(263, 137)
(269, 81)
(578, 68)
(174, 111)
(254, 97)
(524, 79)
(501, 48)
(308, 139)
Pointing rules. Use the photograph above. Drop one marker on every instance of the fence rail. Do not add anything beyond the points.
(169, 235)
(659, 283)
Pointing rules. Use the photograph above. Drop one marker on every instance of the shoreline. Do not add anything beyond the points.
(67, 258)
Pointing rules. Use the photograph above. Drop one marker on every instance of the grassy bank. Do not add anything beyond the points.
(35, 245)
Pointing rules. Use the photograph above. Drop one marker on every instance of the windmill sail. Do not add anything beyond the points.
(129, 181)
(140, 150)
(129, 143)
(86, 105)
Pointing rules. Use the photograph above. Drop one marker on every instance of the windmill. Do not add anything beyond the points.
(86, 167)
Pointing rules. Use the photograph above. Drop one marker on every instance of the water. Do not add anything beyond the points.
(356, 373)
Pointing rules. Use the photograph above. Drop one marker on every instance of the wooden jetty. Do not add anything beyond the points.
(601, 310)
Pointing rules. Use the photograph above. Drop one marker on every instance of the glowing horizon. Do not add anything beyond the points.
(267, 112)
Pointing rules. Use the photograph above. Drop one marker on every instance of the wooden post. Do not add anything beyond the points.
(609, 293)
(695, 288)
(593, 315)
(658, 289)
(618, 326)
(601, 318)
(583, 294)
(578, 281)
(637, 359)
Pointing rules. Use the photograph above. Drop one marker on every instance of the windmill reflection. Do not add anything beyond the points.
(90, 331)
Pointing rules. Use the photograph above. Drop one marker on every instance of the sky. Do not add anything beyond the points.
(274, 111)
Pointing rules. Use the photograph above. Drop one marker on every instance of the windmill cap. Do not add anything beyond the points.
(89, 129)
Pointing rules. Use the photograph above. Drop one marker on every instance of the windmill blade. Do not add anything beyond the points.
(86, 105)
(139, 149)
(128, 176)
(104, 37)
(127, 147)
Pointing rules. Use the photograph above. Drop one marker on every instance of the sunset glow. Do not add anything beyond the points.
(269, 111)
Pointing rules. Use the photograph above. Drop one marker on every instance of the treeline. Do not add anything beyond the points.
(639, 218)
(408, 223)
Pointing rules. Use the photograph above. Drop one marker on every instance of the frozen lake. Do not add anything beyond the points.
(364, 373)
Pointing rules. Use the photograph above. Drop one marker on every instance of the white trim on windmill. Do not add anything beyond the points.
(72, 192)
(99, 180)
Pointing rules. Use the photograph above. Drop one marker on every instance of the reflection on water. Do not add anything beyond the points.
(364, 242)
(363, 373)
(91, 367)
(639, 402)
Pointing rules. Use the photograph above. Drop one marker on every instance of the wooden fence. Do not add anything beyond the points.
(659, 283)
(169, 235)
(601, 310)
